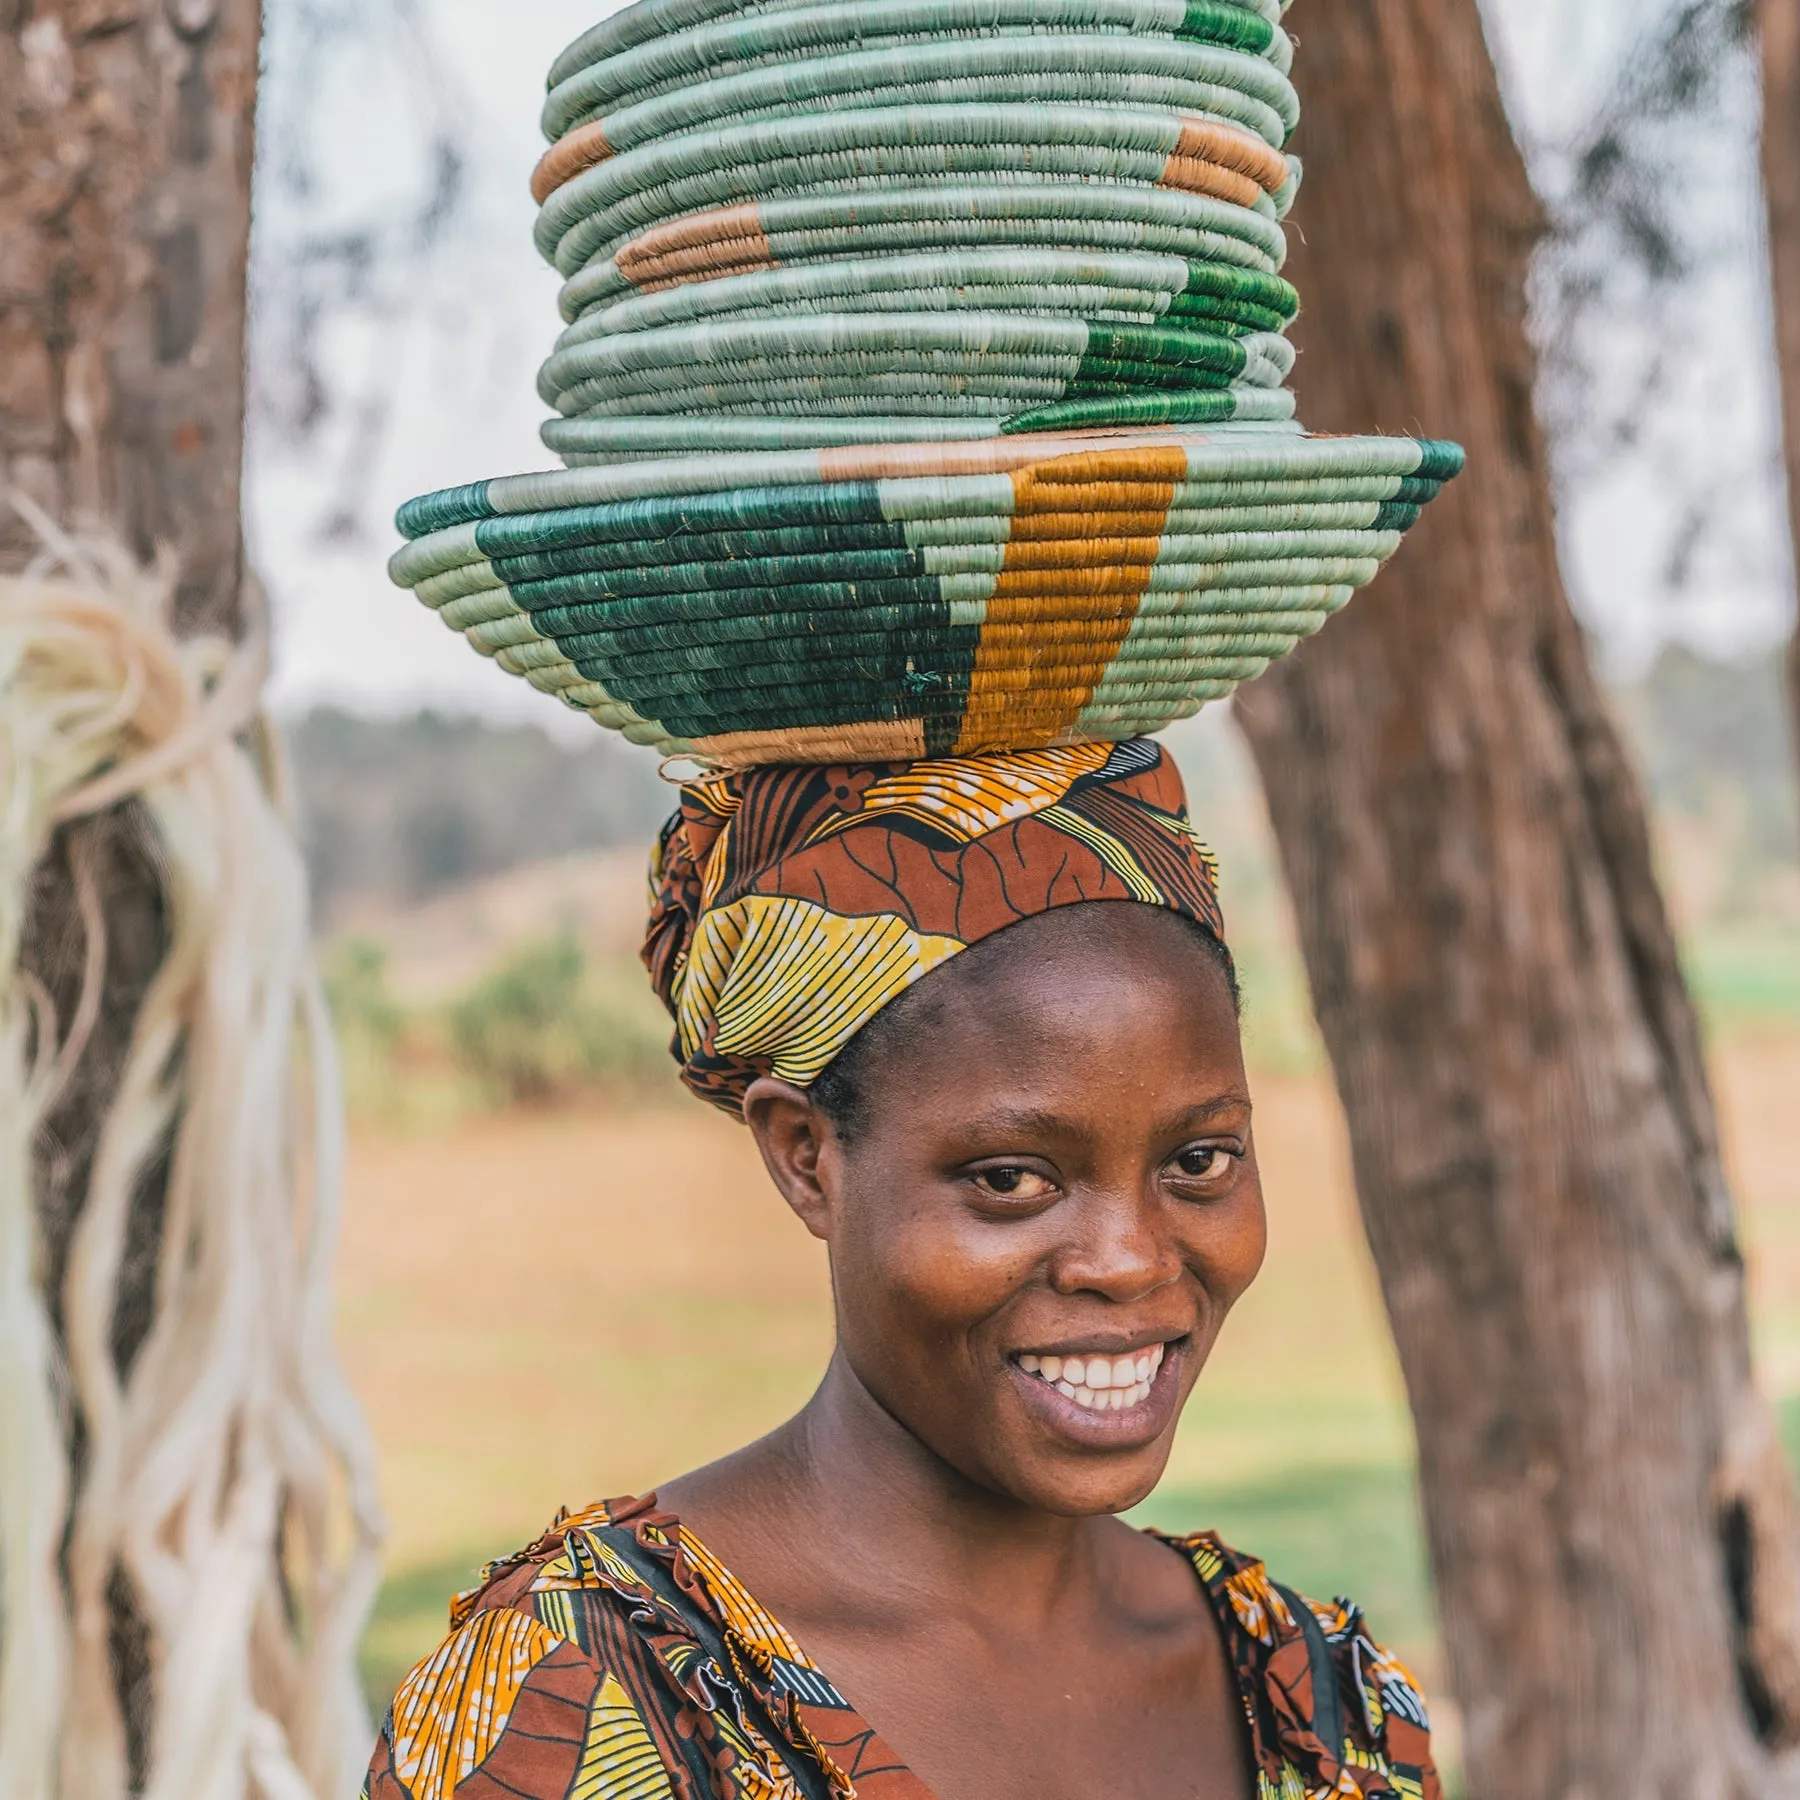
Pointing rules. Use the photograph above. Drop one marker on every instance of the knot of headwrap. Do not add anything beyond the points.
(790, 905)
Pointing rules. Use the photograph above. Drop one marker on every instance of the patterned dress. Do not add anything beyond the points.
(616, 1659)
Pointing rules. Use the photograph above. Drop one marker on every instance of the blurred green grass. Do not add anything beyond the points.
(1746, 975)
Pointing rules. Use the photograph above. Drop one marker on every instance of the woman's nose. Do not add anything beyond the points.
(1120, 1245)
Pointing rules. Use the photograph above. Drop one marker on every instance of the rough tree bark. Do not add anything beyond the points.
(126, 131)
(1610, 1524)
(1778, 23)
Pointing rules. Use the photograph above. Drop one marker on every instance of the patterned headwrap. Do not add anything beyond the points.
(790, 905)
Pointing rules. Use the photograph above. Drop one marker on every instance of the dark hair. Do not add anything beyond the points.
(841, 1089)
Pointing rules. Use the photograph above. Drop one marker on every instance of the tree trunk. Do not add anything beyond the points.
(1778, 22)
(1610, 1525)
(125, 151)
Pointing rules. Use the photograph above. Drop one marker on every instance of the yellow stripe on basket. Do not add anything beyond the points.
(1001, 712)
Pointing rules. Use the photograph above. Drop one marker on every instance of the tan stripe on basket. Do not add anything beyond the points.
(567, 157)
(897, 740)
(728, 239)
(1209, 140)
(1194, 175)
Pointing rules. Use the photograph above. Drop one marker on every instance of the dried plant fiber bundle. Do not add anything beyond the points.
(922, 386)
(225, 1475)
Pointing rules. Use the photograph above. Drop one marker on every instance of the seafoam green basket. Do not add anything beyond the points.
(923, 383)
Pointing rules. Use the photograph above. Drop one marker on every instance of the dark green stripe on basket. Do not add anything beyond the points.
(1214, 23)
(1150, 345)
(1126, 409)
(1098, 375)
(902, 660)
(925, 618)
(1250, 287)
(1439, 461)
(899, 668)
(819, 503)
(439, 511)
(941, 713)
(563, 577)
(713, 546)
(688, 618)
(896, 642)
(1231, 316)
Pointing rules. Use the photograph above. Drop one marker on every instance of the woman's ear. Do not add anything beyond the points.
(796, 1144)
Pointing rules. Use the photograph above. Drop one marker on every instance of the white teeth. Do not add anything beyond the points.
(1100, 1383)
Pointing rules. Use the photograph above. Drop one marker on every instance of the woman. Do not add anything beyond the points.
(980, 1018)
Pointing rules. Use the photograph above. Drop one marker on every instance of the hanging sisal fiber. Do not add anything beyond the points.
(224, 1474)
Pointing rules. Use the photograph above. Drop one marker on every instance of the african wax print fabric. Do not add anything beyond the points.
(617, 1659)
(791, 904)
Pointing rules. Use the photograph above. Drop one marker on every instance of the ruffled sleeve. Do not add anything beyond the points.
(509, 1706)
(1333, 1712)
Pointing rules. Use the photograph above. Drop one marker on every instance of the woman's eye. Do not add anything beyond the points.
(1205, 1162)
(1012, 1183)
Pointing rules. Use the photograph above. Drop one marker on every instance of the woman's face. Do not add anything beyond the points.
(1048, 1206)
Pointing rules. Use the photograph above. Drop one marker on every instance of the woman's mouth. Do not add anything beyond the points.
(1096, 1381)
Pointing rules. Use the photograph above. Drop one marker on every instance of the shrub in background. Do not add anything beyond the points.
(544, 1026)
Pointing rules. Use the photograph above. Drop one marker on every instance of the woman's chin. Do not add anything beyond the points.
(1075, 1460)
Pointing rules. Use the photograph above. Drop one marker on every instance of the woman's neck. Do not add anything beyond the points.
(845, 1491)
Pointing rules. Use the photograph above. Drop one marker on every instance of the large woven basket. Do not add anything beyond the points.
(922, 386)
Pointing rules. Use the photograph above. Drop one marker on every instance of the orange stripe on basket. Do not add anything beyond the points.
(1211, 141)
(1014, 703)
(567, 157)
(1106, 475)
(1089, 551)
(1195, 175)
(1131, 520)
(727, 240)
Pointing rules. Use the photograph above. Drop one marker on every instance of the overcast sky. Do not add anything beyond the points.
(454, 351)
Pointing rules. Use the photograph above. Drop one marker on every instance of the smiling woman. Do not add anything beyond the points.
(980, 1017)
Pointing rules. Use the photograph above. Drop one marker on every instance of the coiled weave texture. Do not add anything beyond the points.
(898, 603)
(922, 385)
(1013, 215)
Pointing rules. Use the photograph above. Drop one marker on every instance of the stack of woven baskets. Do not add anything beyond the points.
(922, 384)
